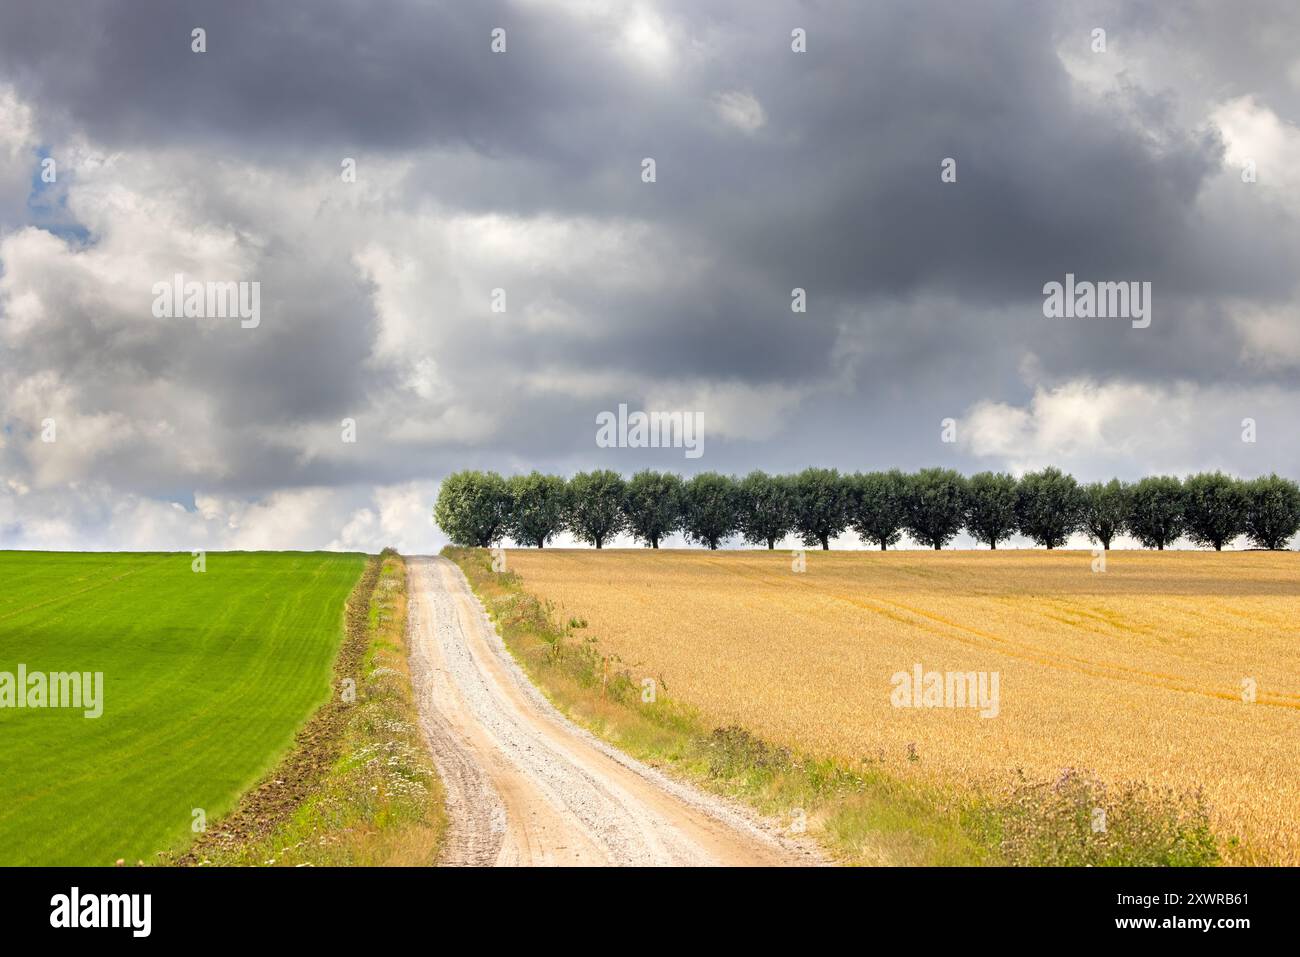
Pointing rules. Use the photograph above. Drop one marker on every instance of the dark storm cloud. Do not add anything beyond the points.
(840, 188)
(381, 74)
(924, 297)
(840, 193)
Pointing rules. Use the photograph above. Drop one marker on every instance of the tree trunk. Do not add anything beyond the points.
(1160, 547)
(541, 543)
(654, 541)
(938, 545)
(1218, 546)
(826, 544)
(993, 545)
(882, 545)
(771, 544)
(598, 542)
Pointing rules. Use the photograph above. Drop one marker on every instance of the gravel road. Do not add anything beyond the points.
(526, 786)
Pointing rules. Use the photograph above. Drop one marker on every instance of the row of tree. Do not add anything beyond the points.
(931, 506)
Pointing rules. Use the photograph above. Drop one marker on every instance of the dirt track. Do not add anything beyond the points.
(525, 786)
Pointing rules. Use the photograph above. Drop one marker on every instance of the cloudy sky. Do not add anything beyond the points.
(522, 171)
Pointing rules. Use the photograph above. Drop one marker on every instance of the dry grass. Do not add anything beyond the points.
(1131, 676)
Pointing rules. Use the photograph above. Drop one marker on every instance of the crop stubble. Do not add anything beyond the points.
(1134, 674)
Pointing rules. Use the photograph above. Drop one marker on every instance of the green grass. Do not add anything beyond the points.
(375, 798)
(206, 679)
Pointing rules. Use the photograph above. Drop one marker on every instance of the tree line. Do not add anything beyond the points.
(930, 506)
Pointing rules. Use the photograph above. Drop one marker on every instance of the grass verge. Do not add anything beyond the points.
(862, 814)
(358, 788)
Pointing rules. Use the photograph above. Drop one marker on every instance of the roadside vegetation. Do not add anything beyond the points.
(932, 506)
(359, 786)
(864, 811)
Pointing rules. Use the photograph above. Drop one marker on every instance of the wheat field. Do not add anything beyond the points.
(1174, 669)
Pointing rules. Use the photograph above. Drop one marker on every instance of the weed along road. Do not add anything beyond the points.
(525, 786)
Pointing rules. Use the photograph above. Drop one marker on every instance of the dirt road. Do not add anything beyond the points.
(525, 786)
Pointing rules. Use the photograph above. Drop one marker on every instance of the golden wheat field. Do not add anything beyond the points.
(1138, 674)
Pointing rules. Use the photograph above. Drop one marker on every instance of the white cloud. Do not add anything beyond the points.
(1100, 430)
(18, 161)
(431, 270)
(648, 38)
(1253, 132)
(401, 517)
(740, 110)
(1270, 334)
(639, 31)
(17, 131)
(95, 516)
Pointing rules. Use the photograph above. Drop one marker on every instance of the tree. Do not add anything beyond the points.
(596, 506)
(821, 506)
(1156, 516)
(935, 505)
(1049, 507)
(1272, 511)
(1214, 509)
(766, 508)
(472, 508)
(653, 506)
(710, 506)
(991, 507)
(538, 505)
(1105, 510)
(876, 506)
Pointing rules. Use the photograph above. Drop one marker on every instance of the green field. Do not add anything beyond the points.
(206, 679)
